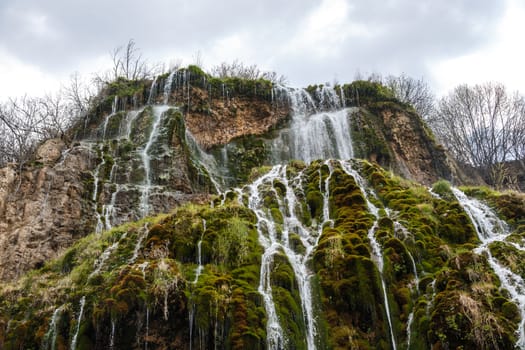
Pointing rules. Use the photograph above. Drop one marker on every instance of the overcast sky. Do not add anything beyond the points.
(309, 41)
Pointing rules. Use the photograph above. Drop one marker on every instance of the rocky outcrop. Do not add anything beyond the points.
(43, 210)
(397, 138)
(107, 178)
(220, 121)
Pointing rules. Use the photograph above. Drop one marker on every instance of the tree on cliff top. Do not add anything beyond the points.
(128, 63)
(237, 69)
(483, 126)
(415, 92)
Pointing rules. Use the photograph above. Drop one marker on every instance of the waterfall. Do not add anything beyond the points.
(267, 238)
(114, 107)
(152, 92)
(99, 262)
(409, 326)
(52, 332)
(80, 314)
(432, 297)
(206, 161)
(108, 210)
(277, 240)
(198, 271)
(199, 268)
(130, 118)
(377, 254)
(489, 229)
(167, 86)
(112, 335)
(146, 158)
(319, 129)
(143, 233)
(314, 134)
(96, 181)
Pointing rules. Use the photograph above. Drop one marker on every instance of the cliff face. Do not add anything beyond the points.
(44, 210)
(311, 249)
(397, 139)
(223, 120)
(132, 159)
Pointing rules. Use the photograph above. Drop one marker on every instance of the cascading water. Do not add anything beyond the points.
(276, 240)
(152, 92)
(265, 227)
(491, 229)
(167, 86)
(112, 335)
(80, 315)
(142, 234)
(100, 261)
(96, 181)
(377, 254)
(114, 106)
(158, 111)
(199, 268)
(319, 129)
(198, 271)
(52, 332)
(314, 134)
(205, 160)
(410, 320)
(399, 227)
(432, 297)
(108, 210)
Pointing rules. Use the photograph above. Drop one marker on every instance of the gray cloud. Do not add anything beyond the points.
(375, 36)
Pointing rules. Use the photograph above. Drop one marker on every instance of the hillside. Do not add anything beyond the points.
(197, 212)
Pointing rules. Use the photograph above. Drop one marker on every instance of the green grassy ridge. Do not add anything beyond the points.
(465, 307)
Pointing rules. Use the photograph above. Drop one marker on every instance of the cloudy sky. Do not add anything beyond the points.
(309, 41)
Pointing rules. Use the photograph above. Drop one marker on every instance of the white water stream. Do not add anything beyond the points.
(377, 254)
(52, 332)
(158, 111)
(314, 133)
(80, 314)
(96, 182)
(491, 229)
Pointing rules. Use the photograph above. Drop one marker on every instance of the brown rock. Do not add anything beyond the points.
(50, 151)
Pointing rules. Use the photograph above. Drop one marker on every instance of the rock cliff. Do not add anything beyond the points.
(191, 212)
(106, 177)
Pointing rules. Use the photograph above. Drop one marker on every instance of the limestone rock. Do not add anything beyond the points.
(50, 151)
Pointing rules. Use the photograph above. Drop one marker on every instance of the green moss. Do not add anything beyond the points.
(244, 154)
(442, 188)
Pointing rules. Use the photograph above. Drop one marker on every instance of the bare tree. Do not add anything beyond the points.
(128, 63)
(415, 92)
(78, 94)
(481, 126)
(237, 69)
(59, 116)
(22, 122)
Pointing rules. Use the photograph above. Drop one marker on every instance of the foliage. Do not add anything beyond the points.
(363, 92)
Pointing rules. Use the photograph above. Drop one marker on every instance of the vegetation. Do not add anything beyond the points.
(144, 278)
(152, 280)
(192, 276)
(483, 126)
